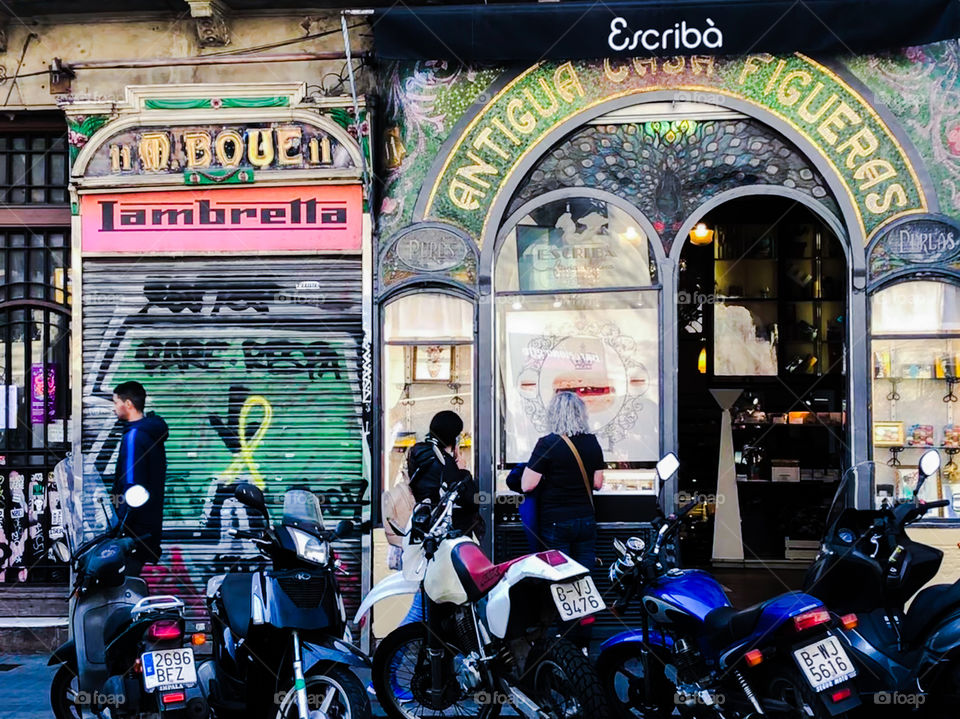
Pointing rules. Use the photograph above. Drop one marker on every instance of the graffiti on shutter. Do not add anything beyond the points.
(255, 365)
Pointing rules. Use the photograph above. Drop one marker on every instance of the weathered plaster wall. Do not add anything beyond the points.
(79, 40)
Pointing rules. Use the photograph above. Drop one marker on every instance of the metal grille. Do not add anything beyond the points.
(304, 594)
(254, 365)
(34, 398)
(33, 168)
(512, 542)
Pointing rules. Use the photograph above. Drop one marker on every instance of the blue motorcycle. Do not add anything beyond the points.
(694, 654)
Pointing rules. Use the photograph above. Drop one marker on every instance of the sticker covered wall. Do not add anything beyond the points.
(256, 369)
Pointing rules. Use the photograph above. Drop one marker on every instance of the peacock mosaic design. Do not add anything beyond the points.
(668, 169)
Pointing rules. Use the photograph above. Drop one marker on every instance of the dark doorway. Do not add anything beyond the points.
(763, 308)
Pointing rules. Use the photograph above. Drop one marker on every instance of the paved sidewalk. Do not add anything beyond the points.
(25, 686)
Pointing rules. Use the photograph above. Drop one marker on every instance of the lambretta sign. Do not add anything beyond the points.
(321, 218)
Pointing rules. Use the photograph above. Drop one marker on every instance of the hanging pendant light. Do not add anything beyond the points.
(701, 234)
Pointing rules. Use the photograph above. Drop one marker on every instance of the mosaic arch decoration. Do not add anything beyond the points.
(668, 169)
(868, 160)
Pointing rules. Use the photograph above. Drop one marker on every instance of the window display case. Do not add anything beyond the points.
(427, 366)
(915, 347)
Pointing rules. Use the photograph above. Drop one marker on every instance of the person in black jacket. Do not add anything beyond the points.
(142, 460)
(436, 463)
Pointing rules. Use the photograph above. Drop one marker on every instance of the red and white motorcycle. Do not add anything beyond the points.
(489, 634)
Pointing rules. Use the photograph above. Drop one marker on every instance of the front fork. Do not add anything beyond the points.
(434, 647)
(299, 682)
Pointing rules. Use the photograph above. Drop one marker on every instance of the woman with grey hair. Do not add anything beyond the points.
(566, 466)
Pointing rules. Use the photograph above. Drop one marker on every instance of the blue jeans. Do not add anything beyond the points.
(415, 613)
(577, 538)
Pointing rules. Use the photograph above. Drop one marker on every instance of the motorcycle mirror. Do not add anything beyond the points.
(929, 464)
(667, 466)
(61, 552)
(136, 496)
(619, 547)
(345, 529)
(250, 496)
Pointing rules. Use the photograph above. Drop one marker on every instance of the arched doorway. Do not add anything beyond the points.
(762, 317)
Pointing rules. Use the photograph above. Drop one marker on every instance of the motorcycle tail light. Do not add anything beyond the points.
(809, 620)
(849, 621)
(173, 697)
(587, 621)
(754, 657)
(553, 557)
(841, 694)
(165, 629)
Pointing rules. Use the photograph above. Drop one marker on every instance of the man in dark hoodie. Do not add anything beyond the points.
(436, 462)
(143, 461)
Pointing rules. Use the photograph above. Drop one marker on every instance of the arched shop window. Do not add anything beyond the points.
(915, 328)
(427, 366)
(577, 308)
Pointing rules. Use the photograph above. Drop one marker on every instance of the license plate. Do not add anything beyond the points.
(825, 663)
(168, 669)
(577, 599)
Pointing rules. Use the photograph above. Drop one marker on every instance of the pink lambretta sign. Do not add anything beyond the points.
(249, 219)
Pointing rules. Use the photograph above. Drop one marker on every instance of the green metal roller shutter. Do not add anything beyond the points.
(254, 365)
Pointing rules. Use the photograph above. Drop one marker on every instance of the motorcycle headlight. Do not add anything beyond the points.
(309, 547)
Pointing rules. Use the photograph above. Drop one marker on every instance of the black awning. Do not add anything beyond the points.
(501, 33)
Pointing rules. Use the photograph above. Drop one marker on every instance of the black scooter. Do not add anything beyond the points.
(281, 644)
(127, 655)
(867, 570)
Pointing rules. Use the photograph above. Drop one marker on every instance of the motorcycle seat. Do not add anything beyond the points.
(927, 607)
(476, 572)
(236, 600)
(726, 625)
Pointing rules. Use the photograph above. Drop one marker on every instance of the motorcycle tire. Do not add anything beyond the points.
(789, 686)
(62, 686)
(621, 676)
(563, 681)
(353, 702)
(410, 639)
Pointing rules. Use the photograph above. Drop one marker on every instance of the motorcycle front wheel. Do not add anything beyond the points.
(401, 678)
(63, 692)
(334, 692)
(621, 671)
(564, 683)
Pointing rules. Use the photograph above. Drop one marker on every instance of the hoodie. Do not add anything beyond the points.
(143, 461)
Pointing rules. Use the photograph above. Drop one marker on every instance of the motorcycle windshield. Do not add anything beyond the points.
(86, 507)
(844, 498)
(301, 506)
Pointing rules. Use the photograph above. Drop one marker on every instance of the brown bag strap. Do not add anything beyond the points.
(583, 470)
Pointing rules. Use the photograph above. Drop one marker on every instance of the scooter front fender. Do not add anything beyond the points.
(333, 650)
(392, 586)
(66, 653)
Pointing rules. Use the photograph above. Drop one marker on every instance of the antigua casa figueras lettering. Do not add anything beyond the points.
(198, 215)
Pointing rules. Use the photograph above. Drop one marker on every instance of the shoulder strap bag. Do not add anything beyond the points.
(583, 470)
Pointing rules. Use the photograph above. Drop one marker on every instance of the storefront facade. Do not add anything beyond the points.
(590, 220)
(219, 239)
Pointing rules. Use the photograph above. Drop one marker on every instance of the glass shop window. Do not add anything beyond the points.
(577, 309)
(915, 328)
(427, 367)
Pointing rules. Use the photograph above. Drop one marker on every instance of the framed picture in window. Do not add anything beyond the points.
(888, 434)
(432, 363)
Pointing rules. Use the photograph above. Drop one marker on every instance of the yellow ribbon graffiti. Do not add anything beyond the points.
(244, 457)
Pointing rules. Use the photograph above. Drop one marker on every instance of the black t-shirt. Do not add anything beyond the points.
(561, 493)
